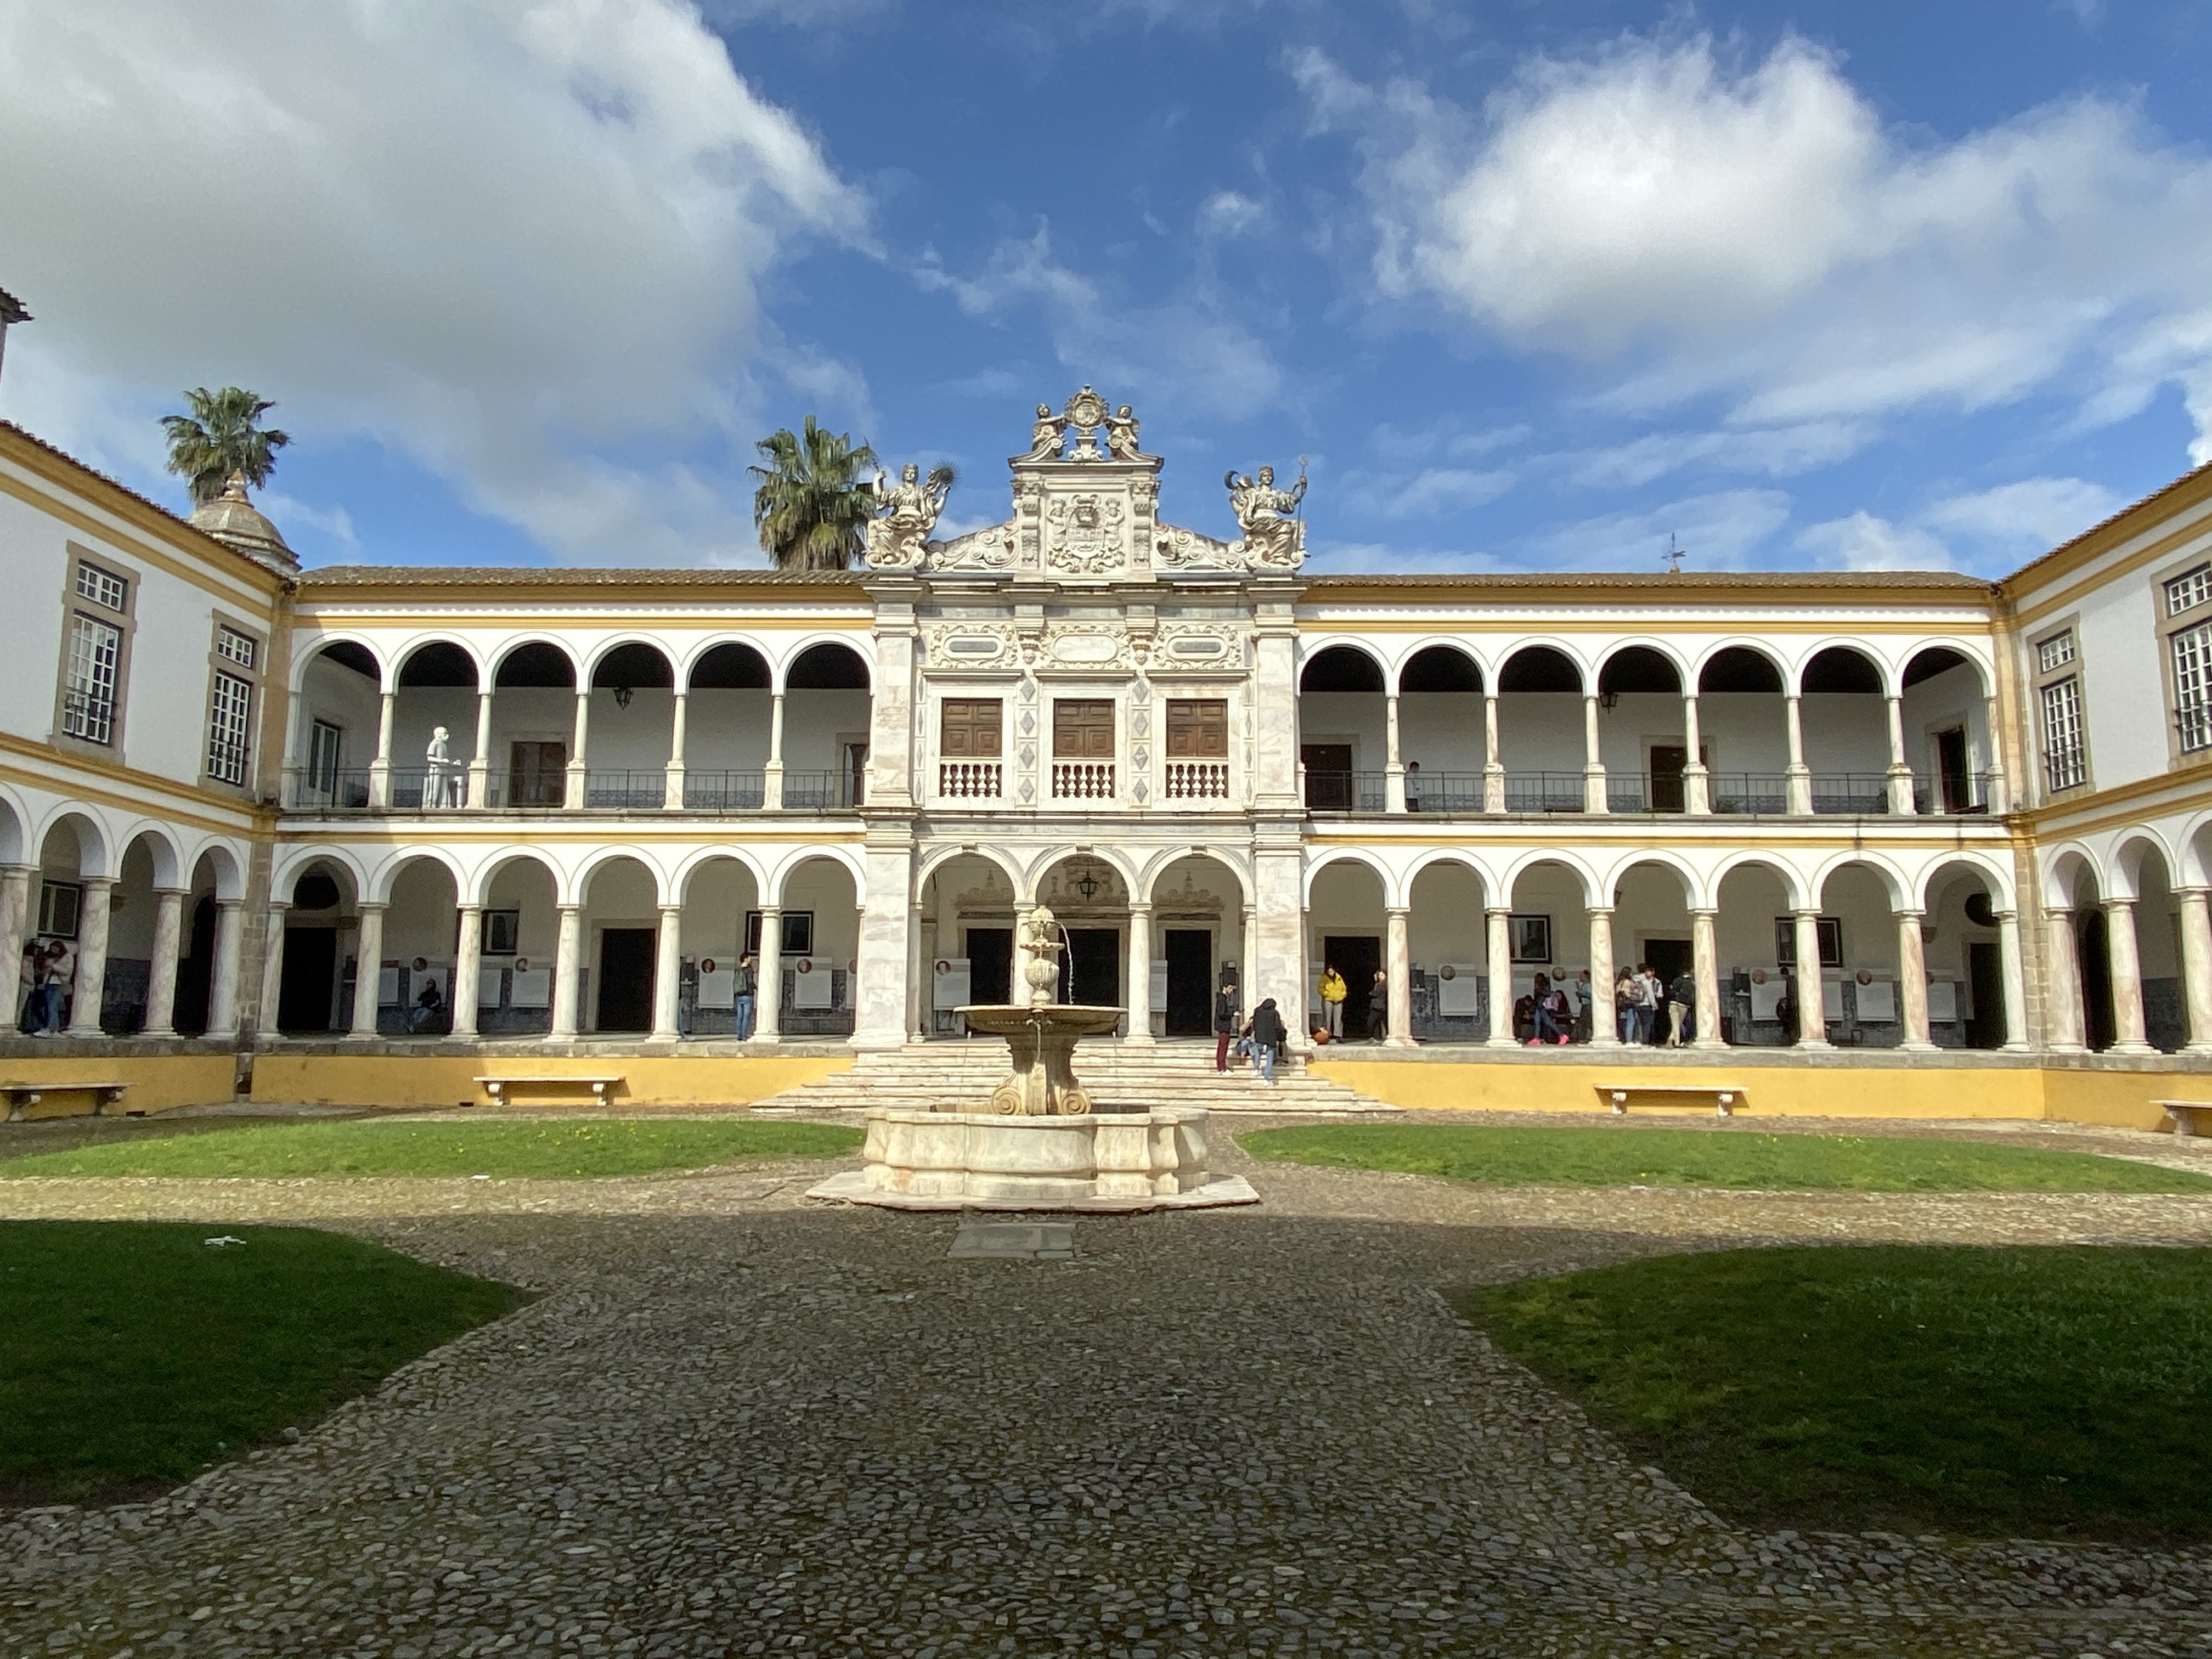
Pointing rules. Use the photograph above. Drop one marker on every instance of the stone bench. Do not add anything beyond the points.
(498, 1087)
(2184, 1112)
(20, 1095)
(1723, 1097)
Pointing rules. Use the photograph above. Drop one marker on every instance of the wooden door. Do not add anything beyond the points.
(1328, 776)
(1198, 729)
(537, 774)
(626, 971)
(1082, 728)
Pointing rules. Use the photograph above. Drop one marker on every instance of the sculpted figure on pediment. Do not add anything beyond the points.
(906, 511)
(1048, 436)
(1273, 538)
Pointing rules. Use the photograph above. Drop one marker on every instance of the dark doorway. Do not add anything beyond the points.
(1951, 770)
(1328, 776)
(1667, 760)
(991, 965)
(1092, 971)
(1190, 981)
(196, 973)
(2089, 946)
(1669, 958)
(1356, 959)
(1985, 976)
(311, 960)
(626, 965)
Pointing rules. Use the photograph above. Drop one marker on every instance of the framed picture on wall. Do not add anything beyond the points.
(797, 933)
(1831, 929)
(1530, 937)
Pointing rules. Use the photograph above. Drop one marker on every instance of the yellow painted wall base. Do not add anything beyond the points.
(158, 1082)
(451, 1080)
(2117, 1099)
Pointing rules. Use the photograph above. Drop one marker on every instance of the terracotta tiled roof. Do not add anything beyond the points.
(503, 575)
(2155, 496)
(1665, 581)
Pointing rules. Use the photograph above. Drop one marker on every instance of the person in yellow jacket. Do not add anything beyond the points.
(1331, 1001)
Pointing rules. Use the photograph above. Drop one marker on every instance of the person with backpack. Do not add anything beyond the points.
(1625, 987)
(1225, 1021)
(1682, 1004)
(1650, 1003)
(1268, 1035)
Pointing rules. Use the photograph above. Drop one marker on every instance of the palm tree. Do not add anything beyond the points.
(222, 436)
(812, 506)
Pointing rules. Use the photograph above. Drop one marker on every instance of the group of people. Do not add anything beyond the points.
(1655, 1012)
(1259, 1037)
(43, 984)
(1334, 992)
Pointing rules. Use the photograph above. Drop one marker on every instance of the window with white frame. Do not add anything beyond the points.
(240, 648)
(2055, 653)
(59, 905)
(325, 743)
(2192, 687)
(228, 724)
(103, 588)
(2064, 764)
(95, 657)
(2189, 590)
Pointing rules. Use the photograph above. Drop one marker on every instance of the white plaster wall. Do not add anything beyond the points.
(131, 909)
(1647, 903)
(421, 709)
(344, 699)
(1445, 920)
(813, 721)
(424, 915)
(1442, 730)
(1845, 732)
(525, 884)
(1949, 699)
(1743, 932)
(530, 713)
(34, 550)
(633, 740)
(1334, 716)
(1539, 732)
(166, 718)
(2123, 683)
(825, 887)
(721, 890)
(727, 730)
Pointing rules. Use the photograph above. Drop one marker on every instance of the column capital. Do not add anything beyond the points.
(671, 909)
(166, 892)
(1801, 912)
(107, 881)
(2117, 905)
(2005, 915)
(1496, 910)
(1908, 913)
(1140, 907)
(465, 905)
(2190, 891)
(765, 909)
(1708, 910)
(279, 906)
(230, 904)
(1599, 909)
(376, 907)
(17, 869)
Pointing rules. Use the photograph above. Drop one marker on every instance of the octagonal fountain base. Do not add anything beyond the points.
(1110, 1163)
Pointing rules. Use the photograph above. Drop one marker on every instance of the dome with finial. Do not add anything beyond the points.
(234, 521)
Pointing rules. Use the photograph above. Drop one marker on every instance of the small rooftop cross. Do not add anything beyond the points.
(1673, 556)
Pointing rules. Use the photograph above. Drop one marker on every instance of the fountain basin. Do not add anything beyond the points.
(1119, 1162)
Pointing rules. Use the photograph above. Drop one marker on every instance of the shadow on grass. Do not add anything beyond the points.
(2048, 1392)
(134, 1354)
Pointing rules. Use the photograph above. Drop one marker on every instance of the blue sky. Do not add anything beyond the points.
(1534, 285)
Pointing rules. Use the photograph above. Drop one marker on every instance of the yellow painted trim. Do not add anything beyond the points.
(451, 1080)
(2191, 490)
(1308, 624)
(443, 836)
(415, 616)
(2064, 818)
(1996, 837)
(144, 518)
(258, 825)
(2068, 598)
(158, 1083)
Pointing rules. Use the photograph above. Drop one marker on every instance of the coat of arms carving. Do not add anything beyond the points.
(1086, 534)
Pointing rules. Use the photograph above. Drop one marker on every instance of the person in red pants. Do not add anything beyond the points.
(1226, 1022)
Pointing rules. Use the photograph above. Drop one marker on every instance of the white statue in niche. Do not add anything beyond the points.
(441, 773)
(906, 511)
(1272, 535)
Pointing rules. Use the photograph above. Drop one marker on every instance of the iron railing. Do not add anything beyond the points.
(643, 791)
(1960, 796)
(1851, 794)
(1333, 791)
(1544, 792)
(338, 790)
(725, 791)
(818, 792)
(1764, 794)
(1446, 793)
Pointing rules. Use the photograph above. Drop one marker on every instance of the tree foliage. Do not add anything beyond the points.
(812, 505)
(222, 435)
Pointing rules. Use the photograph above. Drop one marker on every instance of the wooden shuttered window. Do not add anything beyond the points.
(972, 728)
(1198, 729)
(1082, 728)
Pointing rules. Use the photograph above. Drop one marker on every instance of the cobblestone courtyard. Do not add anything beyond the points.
(739, 1423)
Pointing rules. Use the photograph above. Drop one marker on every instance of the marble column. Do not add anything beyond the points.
(468, 958)
(1393, 768)
(1798, 784)
(91, 957)
(368, 969)
(1996, 796)
(1140, 973)
(380, 770)
(2197, 964)
(772, 780)
(2127, 979)
(1912, 980)
(1497, 968)
(1605, 1023)
(1704, 969)
(667, 973)
(161, 975)
(1593, 796)
(1900, 773)
(579, 768)
(767, 1013)
(480, 762)
(880, 1018)
(15, 918)
(1697, 784)
(1398, 970)
(1812, 1021)
(1251, 950)
(272, 968)
(673, 800)
(567, 972)
(921, 973)
(1494, 766)
(2063, 983)
(222, 984)
(2016, 982)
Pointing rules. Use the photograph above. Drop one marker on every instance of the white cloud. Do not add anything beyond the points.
(1189, 357)
(1418, 495)
(1779, 452)
(2029, 518)
(1229, 213)
(520, 244)
(1720, 530)
(1755, 233)
(1864, 541)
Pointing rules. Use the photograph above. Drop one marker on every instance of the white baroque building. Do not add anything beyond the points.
(318, 833)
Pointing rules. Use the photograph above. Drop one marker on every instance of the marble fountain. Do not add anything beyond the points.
(1035, 1143)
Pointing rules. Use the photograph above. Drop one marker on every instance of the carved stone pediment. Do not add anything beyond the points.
(1087, 533)
(971, 645)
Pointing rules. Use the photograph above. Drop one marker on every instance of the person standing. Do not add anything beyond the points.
(1332, 991)
(1682, 1004)
(1624, 1004)
(1268, 1035)
(1413, 785)
(1650, 1003)
(1378, 1008)
(1226, 1009)
(55, 968)
(746, 983)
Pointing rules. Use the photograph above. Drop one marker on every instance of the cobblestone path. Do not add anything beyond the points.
(764, 1426)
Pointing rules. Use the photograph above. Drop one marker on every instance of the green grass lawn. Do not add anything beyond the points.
(134, 1354)
(1516, 1156)
(576, 1147)
(1984, 1393)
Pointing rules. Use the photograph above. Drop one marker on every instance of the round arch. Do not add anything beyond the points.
(1930, 660)
(437, 659)
(1437, 857)
(2193, 849)
(1343, 667)
(378, 891)
(1694, 896)
(2072, 876)
(478, 891)
(1842, 665)
(1739, 666)
(347, 648)
(726, 664)
(1149, 876)
(1994, 874)
(15, 826)
(160, 847)
(638, 664)
(1543, 664)
(1032, 883)
(937, 858)
(579, 887)
(1354, 855)
(1442, 665)
(2124, 867)
(1793, 884)
(286, 875)
(1893, 878)
(95, 854)
(800, 858)
(698, 859)
(1509, 878)
(535, 664)
(808, 665)
(228, 866)
(1641, 664)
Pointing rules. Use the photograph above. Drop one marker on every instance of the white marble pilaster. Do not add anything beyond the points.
(1497, 970)
(1812, 1020)
(1398, 972)
(1140, 973)
(222, 985)
(567, 972)
(91, 956)
(2197, 964)
(368, 968)
(272, 968)
(1912, 980)
(468, 958)
(161, 971)
(2128, 1037)
(480, 762)
(1798, 784)
(667, 972)
(580, 740)
(2063, 983)
(2016, 982)
(767, 1013)
(1605, 1022)
(15, 918)
(673, 800)
(1704, 969)
(880, 1012)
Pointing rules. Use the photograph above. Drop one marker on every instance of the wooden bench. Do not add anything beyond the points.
(20, 1095)
(497, 1087)
(2184, 1112)
(1724, 1097)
